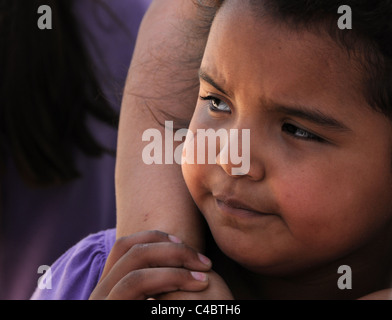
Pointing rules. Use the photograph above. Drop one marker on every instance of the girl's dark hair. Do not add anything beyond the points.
(369, 40)
(47, 91)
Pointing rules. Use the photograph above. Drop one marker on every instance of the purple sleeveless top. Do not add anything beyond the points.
(76, 273)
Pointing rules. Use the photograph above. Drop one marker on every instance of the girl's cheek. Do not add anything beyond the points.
(304, 201)
(193, 176)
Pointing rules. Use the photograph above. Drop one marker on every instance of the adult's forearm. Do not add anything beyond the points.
(162, 85)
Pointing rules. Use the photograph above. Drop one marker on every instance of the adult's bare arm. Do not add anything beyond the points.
(162, 85)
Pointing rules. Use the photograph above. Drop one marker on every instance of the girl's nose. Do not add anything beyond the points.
(235, 156)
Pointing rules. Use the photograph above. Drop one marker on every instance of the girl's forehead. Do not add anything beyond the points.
(269, 60)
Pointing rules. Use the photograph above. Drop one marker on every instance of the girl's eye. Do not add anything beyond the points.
(217, 105)
(299, 133)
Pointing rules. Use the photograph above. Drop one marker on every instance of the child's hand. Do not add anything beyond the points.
(217, 290)
(149, 263)
(385, 294)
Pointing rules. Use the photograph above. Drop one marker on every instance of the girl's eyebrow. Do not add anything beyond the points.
(204, 76)
(310, 114)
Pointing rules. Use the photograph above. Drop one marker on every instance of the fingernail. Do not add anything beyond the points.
(174, 239)
(204, 259)
(199, 276)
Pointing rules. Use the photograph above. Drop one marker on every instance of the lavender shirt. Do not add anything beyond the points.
(38, 226)
(76, 273)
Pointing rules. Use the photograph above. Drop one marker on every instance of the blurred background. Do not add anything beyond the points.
(60, 97)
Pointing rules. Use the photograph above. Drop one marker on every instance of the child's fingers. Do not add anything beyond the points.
(153, 255)
(145, 283)
(122, 245)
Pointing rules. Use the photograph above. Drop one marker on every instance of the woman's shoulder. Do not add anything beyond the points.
(74, 275)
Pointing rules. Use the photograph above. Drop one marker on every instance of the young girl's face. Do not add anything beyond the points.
(319, 184)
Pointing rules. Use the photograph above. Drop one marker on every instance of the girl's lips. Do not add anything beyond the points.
(233, 206)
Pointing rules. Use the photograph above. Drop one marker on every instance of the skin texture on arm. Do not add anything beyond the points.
(162, 85)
